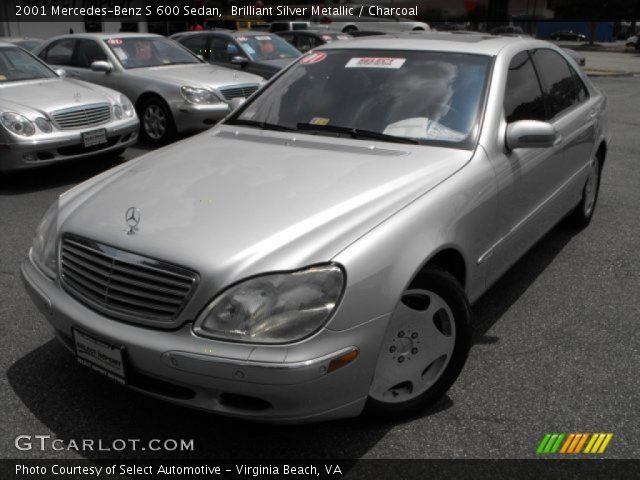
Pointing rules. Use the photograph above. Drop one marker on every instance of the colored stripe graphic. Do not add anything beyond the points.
(573, 443)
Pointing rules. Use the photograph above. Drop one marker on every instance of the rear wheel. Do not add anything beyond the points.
(425, 346)
(583, 213)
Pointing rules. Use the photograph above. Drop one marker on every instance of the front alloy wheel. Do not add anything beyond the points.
(156, 122)
(425, 346)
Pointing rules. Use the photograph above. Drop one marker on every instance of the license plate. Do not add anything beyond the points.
(100, 356)
(93, 138)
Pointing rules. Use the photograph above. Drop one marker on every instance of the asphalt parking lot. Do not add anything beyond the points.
(556, 346)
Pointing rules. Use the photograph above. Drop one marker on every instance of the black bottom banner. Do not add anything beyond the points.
(313, 469)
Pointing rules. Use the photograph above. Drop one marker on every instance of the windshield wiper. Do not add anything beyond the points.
(262, 125)
(356, 133)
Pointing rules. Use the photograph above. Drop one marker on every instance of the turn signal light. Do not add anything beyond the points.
(342, 360)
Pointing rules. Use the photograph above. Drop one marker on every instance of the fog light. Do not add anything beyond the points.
(343, 360)
(29, 157)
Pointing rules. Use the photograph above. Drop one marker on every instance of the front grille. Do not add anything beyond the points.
(82, 116)
(124, 285)
(241, 91)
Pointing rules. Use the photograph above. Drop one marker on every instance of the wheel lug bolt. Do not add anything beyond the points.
(414, 350)
(401, 333)
(392, 348)
(400, 359)
(414, 335)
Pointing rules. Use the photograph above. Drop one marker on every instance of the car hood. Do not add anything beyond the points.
(49, 95)
(197, 75)
(233, 202)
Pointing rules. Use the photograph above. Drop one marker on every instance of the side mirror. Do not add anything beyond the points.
(239, 60)
(61, 72)
(530, 134)
(101, 66)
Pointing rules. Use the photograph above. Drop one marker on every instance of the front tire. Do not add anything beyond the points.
(156, 121)
(581, 216)
(425, 346)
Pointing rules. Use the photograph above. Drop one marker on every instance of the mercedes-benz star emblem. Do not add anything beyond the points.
(77, 96)
(132, 217)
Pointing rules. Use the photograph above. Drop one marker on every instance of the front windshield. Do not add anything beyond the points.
(16, 65)
(428, 97)
(139, 52)
(266, 47)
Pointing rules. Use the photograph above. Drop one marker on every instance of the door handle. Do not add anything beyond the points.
(592, 113)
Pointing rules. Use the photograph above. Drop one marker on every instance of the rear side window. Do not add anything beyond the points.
(523, 98)
(558, 81)
(198, 45)
(59, 52)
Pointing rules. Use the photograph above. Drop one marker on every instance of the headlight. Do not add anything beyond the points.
(43, 250)
(117, 111)
(17, 124)
(199, 95)
(274, 308)
(44, 125)
(127, 106)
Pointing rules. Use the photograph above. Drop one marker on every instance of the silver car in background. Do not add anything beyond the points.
(325, 258)
(46, 119)
(172, 89)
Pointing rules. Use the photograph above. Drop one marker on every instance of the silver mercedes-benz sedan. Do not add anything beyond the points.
(318, 251)
(46, 119)
(172, 89)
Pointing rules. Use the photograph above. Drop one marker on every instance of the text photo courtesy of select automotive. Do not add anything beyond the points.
(417, 232)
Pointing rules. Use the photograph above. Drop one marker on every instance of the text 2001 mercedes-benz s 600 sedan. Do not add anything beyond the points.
(319, 249)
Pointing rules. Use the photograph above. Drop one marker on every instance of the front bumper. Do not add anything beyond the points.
(190, 117)
(65, 145)
(249, 381)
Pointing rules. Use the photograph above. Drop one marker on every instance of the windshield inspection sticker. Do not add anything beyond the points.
(376, 62)
(319, 121)
(313, 58)
(114, 41)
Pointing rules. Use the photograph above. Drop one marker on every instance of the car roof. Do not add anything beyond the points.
(106, 36)
(478, 43)
(19, 39)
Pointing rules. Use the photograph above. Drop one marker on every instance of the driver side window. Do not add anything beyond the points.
(523, 99)
(88, 51)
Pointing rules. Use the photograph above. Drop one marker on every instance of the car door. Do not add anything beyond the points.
(573, 114)
(526, 177)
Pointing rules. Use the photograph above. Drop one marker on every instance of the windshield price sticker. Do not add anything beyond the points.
(313, 58)
(376, 62)
(115, 41)
(264, 38)
(242, 39)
